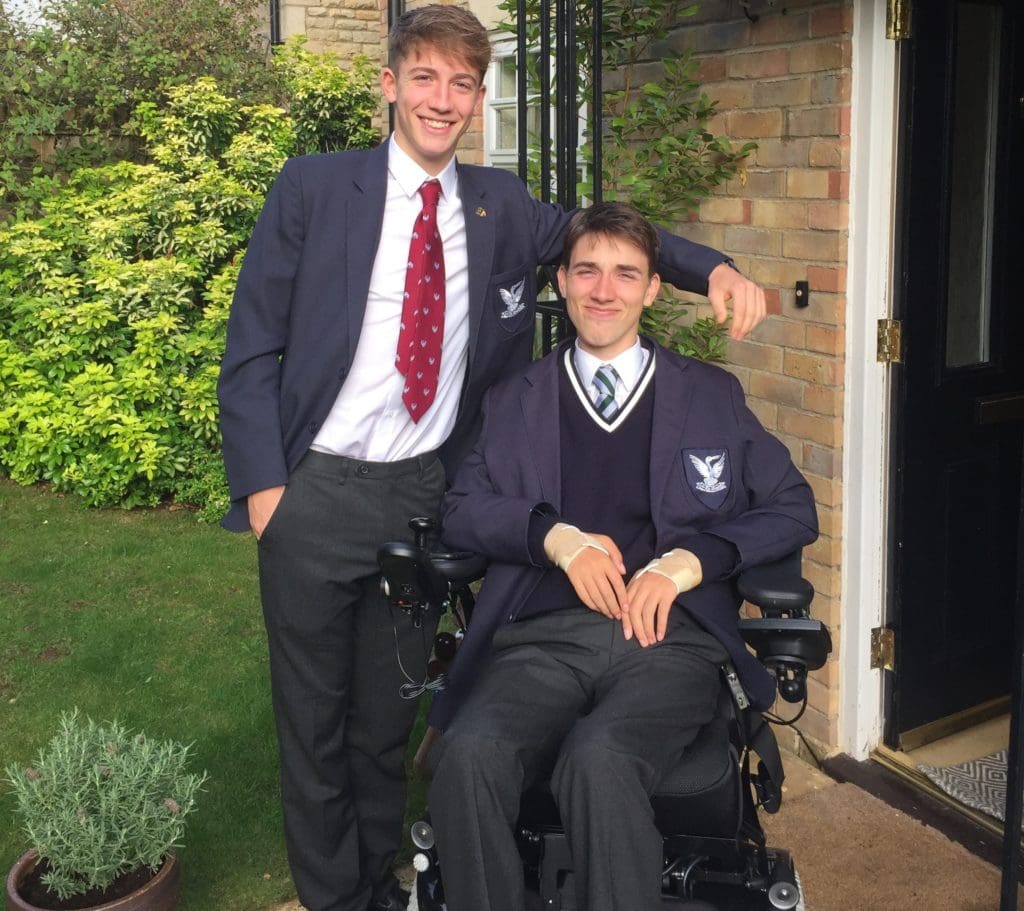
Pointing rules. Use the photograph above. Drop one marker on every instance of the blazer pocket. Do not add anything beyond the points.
(511, 298)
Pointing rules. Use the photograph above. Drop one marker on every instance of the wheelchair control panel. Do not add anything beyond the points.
(785, 638)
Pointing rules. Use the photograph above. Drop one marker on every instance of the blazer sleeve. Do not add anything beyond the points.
(257, 335)
(476, 514)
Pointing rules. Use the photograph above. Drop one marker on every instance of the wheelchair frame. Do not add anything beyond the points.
(702, 872)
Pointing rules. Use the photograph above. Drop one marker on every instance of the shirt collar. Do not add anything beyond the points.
(628, 364)
(410, 176)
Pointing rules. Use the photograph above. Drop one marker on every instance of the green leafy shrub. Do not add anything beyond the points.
(114, 299)
(69, 85)
(325, 102)
(100, 801)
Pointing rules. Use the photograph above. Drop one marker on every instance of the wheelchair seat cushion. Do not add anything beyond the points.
(699, 796)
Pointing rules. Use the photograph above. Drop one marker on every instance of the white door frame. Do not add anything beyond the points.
(866, 404)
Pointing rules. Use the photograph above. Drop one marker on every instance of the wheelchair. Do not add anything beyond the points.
(715, 853)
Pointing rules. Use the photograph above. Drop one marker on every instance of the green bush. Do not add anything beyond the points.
(69, 86)
(114, 300)
(100, 802)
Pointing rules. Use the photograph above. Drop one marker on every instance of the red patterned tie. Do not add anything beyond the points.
(419, 341)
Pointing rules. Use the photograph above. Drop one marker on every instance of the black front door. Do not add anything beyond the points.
(960, 390)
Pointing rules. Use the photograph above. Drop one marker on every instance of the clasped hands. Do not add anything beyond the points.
(594, 566)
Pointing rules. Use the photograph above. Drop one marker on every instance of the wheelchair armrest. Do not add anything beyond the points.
(777, 588)
(785, 639)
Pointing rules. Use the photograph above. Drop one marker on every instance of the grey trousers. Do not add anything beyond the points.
(566, 692)
(342, 726)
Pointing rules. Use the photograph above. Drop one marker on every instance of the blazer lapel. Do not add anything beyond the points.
(479, 249)
(541, 418)
(364, 207)
(673, 397)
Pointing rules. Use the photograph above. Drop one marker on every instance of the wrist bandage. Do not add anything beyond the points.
(564, 543)
(679, 566)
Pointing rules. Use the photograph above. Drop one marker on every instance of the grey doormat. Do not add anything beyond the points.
(978, 783)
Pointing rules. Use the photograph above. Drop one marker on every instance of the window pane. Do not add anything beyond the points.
(973, 184)
(505, 119)
(507, 77)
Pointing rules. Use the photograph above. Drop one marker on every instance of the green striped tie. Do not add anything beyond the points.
(604, 391)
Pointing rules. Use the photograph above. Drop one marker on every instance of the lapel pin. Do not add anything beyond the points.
(481, 211)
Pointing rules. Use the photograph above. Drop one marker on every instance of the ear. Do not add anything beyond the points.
(389, 84)
(561, 281)
(652, 289)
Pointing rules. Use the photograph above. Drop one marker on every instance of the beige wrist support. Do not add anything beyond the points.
(564, 543)
(678, 566)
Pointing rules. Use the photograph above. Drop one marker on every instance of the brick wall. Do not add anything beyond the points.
(350, 27)
(784, 82)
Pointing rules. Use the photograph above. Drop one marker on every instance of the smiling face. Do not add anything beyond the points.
(435, 97)
(607, 284)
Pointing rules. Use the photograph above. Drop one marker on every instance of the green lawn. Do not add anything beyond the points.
(154, 619)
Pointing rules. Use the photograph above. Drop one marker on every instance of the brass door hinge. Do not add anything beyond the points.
(883, 649)
(897, 19)
(890, 341)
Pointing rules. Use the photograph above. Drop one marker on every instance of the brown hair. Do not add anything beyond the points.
(616, 220)
(449, 29)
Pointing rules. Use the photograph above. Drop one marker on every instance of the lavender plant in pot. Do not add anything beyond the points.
(103, 809)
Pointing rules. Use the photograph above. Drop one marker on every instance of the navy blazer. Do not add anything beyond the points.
(766, 509)
(301, 296)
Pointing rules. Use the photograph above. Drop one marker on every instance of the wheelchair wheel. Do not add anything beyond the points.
(785, 893)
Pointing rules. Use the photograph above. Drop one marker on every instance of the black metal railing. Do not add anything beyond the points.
(558, 77)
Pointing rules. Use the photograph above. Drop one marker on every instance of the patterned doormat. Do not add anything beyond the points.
(979, 783)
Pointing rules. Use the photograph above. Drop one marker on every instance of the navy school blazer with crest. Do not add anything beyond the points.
(765, 508)
(301, 297)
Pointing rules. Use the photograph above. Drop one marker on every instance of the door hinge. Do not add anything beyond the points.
(890, 341)
(897, 19)
(883, 649)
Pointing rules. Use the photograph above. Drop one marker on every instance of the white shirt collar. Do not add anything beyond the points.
(629, 365)
(410, 176)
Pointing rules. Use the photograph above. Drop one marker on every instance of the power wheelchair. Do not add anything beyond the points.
(715, 852)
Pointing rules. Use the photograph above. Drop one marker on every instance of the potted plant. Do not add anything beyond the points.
(103, 809)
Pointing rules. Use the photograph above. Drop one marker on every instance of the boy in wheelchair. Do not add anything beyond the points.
(617, 488)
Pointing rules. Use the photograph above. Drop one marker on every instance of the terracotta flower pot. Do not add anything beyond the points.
(157, 894)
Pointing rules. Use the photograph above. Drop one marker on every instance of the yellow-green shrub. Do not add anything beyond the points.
(114, 300)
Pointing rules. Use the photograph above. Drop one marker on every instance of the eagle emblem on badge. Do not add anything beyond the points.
(513, 299)
(710, 470)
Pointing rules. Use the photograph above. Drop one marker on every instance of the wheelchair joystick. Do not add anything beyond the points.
(423, 528)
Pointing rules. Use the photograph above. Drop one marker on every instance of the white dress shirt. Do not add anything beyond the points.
(628, 364)
(368, 419)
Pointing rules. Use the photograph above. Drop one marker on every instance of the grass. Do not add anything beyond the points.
(151, 618)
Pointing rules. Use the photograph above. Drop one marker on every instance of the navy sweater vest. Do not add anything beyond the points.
(605, 486)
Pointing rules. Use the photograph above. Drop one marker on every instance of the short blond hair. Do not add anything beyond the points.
(449, 29)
